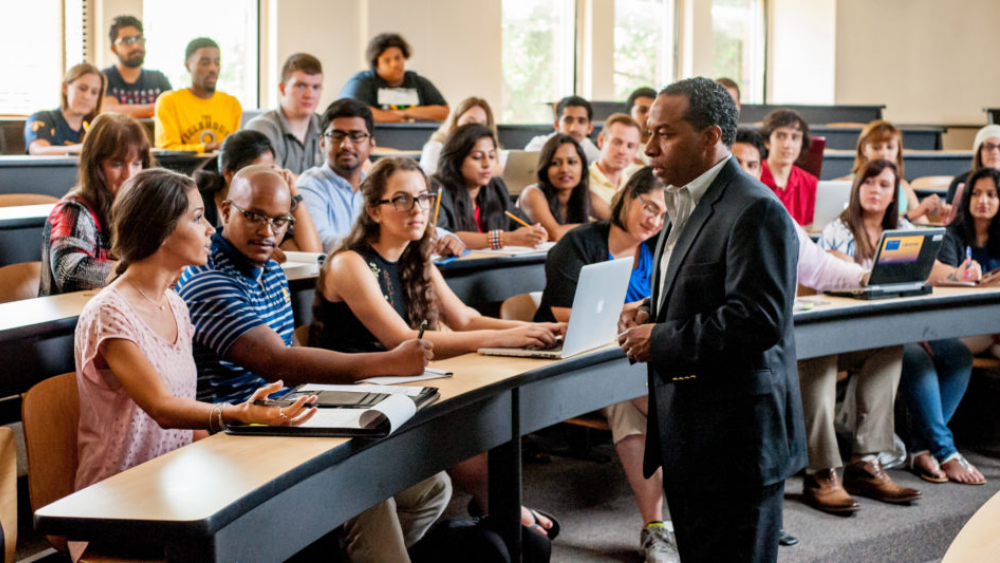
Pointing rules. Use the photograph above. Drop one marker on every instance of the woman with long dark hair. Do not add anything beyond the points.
(474, 203)
(561, 198)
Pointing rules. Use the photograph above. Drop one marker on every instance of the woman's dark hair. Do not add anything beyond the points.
(414, 263)
(146, 212)
(238, 151)
(966, 225)
(786, 118)
(640, 183)
(449, 177)
(853, 216)
(111, 136)
(578, 206)
(383, 41)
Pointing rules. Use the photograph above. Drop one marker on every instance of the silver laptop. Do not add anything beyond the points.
(520, 170)
(902, 263)
(831, 200)
(600, 295)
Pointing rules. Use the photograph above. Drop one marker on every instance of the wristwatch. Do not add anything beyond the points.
(296, 200)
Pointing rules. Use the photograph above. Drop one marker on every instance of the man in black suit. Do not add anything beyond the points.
(725, 415)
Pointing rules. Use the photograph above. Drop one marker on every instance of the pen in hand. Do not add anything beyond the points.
(423, 327)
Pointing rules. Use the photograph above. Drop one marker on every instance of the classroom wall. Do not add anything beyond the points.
(802, 57)
(928, 61)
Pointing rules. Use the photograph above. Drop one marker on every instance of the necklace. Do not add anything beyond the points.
(159, 304)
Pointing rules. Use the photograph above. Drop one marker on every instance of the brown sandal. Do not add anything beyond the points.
(922, 472)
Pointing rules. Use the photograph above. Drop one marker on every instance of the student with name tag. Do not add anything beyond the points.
(134, 363)
(245, 148)
(637, 215)
(379, 286)
(561, 199)
(394, 93)
(475, 204)
(469, 110)
(928, 367)
(76, 238)
(786, 135)
(62, 130)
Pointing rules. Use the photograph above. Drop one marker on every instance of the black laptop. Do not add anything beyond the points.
(902, 263)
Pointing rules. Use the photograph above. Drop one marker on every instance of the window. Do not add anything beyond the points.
(169, 26)
(738, 45)
(32, 63)
(538, 58)
(644, 45)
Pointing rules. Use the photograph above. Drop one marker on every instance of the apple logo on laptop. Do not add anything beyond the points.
(600, 306)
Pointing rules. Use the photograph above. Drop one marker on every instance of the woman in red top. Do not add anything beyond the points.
(786, 135)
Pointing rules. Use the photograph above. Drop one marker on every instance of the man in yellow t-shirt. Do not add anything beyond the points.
(197, 118)
(619, 141)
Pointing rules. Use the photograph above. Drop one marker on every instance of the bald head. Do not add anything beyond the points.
(257, 193)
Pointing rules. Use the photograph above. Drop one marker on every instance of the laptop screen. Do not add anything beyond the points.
(906, 256)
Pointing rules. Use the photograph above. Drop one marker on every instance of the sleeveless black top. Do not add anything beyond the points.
(336, 327)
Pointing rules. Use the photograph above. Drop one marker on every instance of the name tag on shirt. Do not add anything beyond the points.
(398, 98)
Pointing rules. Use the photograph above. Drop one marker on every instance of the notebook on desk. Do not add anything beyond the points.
(902, 263)
(600, 293)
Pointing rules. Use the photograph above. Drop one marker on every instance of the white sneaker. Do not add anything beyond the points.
(658, 545)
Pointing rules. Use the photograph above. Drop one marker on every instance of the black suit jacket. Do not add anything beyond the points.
(725, 411)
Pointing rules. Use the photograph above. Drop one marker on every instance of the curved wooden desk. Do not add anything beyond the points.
(978, 540)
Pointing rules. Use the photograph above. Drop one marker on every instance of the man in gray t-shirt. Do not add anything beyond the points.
(293, 128)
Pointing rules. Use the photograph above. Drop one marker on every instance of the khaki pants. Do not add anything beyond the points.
(625, 420)
(878, 372)
(384, 532)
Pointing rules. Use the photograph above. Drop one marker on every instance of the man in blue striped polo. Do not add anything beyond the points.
(244, 336)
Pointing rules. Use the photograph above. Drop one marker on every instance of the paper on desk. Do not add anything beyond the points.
(389, 380)
(387, 389)
(397, 408)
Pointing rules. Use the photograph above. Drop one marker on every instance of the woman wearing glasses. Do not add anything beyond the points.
(379, 287)
(239, 150)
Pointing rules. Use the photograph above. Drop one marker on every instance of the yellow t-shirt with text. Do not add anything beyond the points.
(185, 122)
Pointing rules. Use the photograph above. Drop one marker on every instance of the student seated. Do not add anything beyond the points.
(379, 286)
(733, 88)
(926, 365)
(637, 214)
(241, 310)
(198, 118)
(881, 139)
(242, 149)
(475, 204)
(638, 104)
(750, 151)
(134, 364)
(786, 135)
(985, 154)
(394, 93)
(469, 110)
(574, 117)
(293, 129)
(61, 131)
(619, 142)
(76, 238)
(561, 199)
(132, 90)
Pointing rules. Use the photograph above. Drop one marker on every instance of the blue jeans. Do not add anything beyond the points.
(932, 388)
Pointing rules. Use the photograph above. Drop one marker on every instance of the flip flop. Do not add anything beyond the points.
(960, 459)
(922, 472)
(554, 530)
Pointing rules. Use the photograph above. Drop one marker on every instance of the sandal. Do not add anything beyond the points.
(960, 459)
(922, 472)
(477, 515)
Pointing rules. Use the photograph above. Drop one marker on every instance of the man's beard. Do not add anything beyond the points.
(134, 62)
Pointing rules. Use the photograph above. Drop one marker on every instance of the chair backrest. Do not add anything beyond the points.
(50, 413)
(8, 492)
(520, 307)
(302, 334)
(19, 281)
(14, 200)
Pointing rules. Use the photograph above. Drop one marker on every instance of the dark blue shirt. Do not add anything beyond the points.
(227, 298)
(368, 87)
(953, 249)
(145, 90)
(51, 126)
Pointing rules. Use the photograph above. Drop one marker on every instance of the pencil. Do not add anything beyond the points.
(516, 218)
(437, 207)
(423, 327)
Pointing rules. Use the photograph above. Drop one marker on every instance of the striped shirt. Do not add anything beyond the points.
(228, 297)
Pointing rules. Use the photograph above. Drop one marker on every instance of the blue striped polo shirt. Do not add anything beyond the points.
(228, 297)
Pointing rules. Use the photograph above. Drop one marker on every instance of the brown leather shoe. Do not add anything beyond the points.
(869, 479)
(823, 491)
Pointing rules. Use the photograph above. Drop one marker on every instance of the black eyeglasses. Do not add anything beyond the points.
(337, 136)
(258, 219)
(132, 40)
(405, 202)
